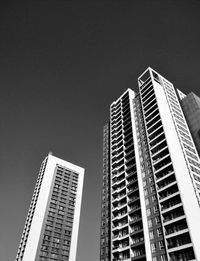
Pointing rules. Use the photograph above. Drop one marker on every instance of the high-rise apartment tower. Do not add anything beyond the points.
(151, 177)
(51, 229)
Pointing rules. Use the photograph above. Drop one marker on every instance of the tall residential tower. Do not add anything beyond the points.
(151, 177)
(51, 229)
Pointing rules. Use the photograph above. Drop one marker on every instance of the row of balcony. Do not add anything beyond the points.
(176, 230)
(125, 253)
(121, 116)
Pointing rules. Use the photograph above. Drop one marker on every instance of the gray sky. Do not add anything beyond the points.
(61, 64)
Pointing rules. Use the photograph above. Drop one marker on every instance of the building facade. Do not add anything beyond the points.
(152, 178)
(191, 108)
(51, 228)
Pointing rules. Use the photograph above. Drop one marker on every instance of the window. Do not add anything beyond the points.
(161, 245)
(153, 198)
(159, 231)
(155, 209)
(163, 257)
(57, 240)
(44, 248)
(151, 180)
(148, 212)
(150, 223)
(44, 253)
(196, 177)
(153, 248)
(147, 201)
(157, 220)
(151, 235)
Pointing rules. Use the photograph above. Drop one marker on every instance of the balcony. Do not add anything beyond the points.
(157, 148)
(123, 255)
(120, 248)
(147, 93)
(159, 158)
(129, 149)
(120, 225)
(117, 170)
(133, 198)
(154, 126)
(173, 215)
(131, 182)
(120, 215)
(132, 190)
(179, 226)
(127, 138)
(125, 98)
(121, 235)
(151, 97)
(165, 184)
(116, 134)
(130, 162)
(150, 110)
(133, 173)
(117, 151)
(149, 105)
(117, 146)
(174, 200)
(126, 123)
(152, 115)
(118, 198)
(125, 107)
(138, 252)
(116, 111)
(127, 116)
(162, 166)
(136, 230)
(161, 175)
(116, 140)
(117, 180)
(114, 117)
(115, 125)
(184, 253)
(178, 241)
(133, 207)
(156, 140)
(144, 80)
(137, 241)
(131, 168)
(115, 131)
(126, 112)
(168, 193)
(130, 156)
(128, 143)
(153, 120)
(117, 160)
(134, 218)
(118, 206)
(155, 133)
(127, 130)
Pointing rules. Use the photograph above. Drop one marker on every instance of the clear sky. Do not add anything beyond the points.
(62, 63)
